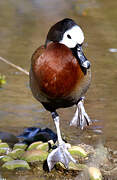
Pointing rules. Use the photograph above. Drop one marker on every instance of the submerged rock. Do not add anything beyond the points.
(11, 165)
(8, 138)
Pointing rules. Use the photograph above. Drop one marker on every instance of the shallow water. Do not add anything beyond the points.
(23, 27)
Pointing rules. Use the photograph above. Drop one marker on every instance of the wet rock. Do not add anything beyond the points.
(72, 166)
(43, 147)
(32, 130)
(16, 154)
(6, 159)
(20, 146)
(29, 133)
(34, 145)
(4, 145)
(76, 167)
(11, 165)
(34, 155)
(76, 150)
(8, 138)
(4, 150)
(94, 173)
(43, 136)
(33, 134)
(50, 133)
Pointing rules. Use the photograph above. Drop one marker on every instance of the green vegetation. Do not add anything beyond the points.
(2, 80)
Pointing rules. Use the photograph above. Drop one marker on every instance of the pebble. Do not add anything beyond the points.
(94, 173)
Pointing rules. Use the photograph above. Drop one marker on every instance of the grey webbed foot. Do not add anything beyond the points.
(80, 118)
(60, 154)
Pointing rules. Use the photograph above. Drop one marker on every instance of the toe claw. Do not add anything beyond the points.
(81, 118)
(60, 154)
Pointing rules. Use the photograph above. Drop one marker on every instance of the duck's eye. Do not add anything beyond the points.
(69, 36)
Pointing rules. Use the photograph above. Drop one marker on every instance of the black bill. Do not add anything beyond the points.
(83, 60)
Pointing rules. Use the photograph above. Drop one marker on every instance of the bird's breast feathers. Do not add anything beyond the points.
(56, 69)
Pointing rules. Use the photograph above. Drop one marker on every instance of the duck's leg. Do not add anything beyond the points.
(80, 118)
(60, 154)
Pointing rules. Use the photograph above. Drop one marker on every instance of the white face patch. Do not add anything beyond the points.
(72, 37)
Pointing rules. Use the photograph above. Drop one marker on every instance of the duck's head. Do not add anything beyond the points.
(67, 32)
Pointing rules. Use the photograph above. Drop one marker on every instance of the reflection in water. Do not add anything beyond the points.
(23, 27)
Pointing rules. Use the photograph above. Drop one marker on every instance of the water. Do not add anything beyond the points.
(23, 27)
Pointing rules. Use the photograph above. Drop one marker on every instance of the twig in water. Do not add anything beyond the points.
(15, 66)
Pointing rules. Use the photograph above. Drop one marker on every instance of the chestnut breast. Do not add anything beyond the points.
(56, 70)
